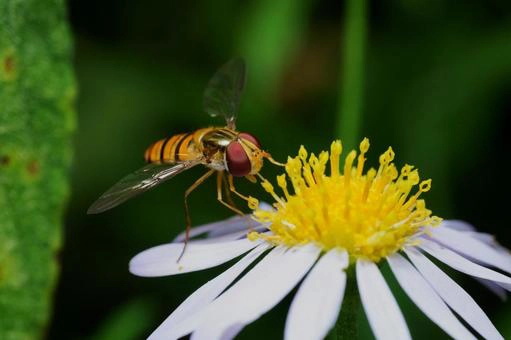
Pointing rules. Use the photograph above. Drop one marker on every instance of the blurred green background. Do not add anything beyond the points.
(437, 88)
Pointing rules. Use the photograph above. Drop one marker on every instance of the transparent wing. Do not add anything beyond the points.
(138, 182)
(222, 95)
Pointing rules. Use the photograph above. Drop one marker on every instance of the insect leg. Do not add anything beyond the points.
(228, 195)
(233, 189)
(219, 180)
(187, 211)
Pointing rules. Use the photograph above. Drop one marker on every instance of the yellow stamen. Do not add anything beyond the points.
(371, 215)
(335, 153)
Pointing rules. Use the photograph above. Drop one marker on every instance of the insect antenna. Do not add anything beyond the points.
(270, 158)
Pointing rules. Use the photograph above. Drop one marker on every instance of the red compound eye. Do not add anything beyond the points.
(238, 162)
(250, 138)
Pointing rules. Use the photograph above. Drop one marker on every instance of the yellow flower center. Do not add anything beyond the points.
(371, 215)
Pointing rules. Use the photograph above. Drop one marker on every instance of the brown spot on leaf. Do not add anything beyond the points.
(33, 168)
(9, 64)
(5, 160)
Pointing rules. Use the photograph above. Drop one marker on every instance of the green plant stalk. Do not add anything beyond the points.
(351, 84)
(346, 327)
(37, 118)
(268, 37)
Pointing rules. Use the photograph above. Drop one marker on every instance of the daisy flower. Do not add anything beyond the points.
(329, 228)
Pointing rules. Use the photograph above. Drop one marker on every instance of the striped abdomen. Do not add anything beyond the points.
(181, 147)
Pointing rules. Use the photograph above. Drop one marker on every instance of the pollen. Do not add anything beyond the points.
(370, 214)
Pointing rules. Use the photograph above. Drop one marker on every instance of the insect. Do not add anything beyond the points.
(223, 150)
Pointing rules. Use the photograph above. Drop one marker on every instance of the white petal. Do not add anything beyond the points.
(474, 248)
(505, 286)
(457, 225)
(494, 288)
(484, 237)
(248, 225)
(229, 237)
(383, 314)
(455, 296)
(460, 263)
(421, 293)
(172, 327)
(265, 206)
(231, 332)
(318, 301)
(488, 239)
(162, 260)
(256, 292)
(247, 228)
(235, 223)
(227, 226)
(467, 229)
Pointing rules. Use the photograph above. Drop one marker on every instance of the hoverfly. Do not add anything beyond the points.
(223, 150)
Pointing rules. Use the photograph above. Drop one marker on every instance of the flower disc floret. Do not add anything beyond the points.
(369, 214)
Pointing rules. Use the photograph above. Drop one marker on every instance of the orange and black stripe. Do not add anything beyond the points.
(177, 148)
(172, 149)
(181, 150)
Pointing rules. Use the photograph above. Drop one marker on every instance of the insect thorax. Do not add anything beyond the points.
(214, 143)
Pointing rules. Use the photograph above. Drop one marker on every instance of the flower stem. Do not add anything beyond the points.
(346, 325)
(351, 80)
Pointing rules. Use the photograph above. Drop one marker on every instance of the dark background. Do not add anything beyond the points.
(437, 88)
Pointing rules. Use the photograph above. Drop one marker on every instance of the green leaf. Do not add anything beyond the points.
(132, 320)
(37, 94)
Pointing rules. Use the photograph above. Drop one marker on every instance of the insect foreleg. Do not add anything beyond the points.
(228, 195)
(233, 189)
(230, 205)
(187, 211)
